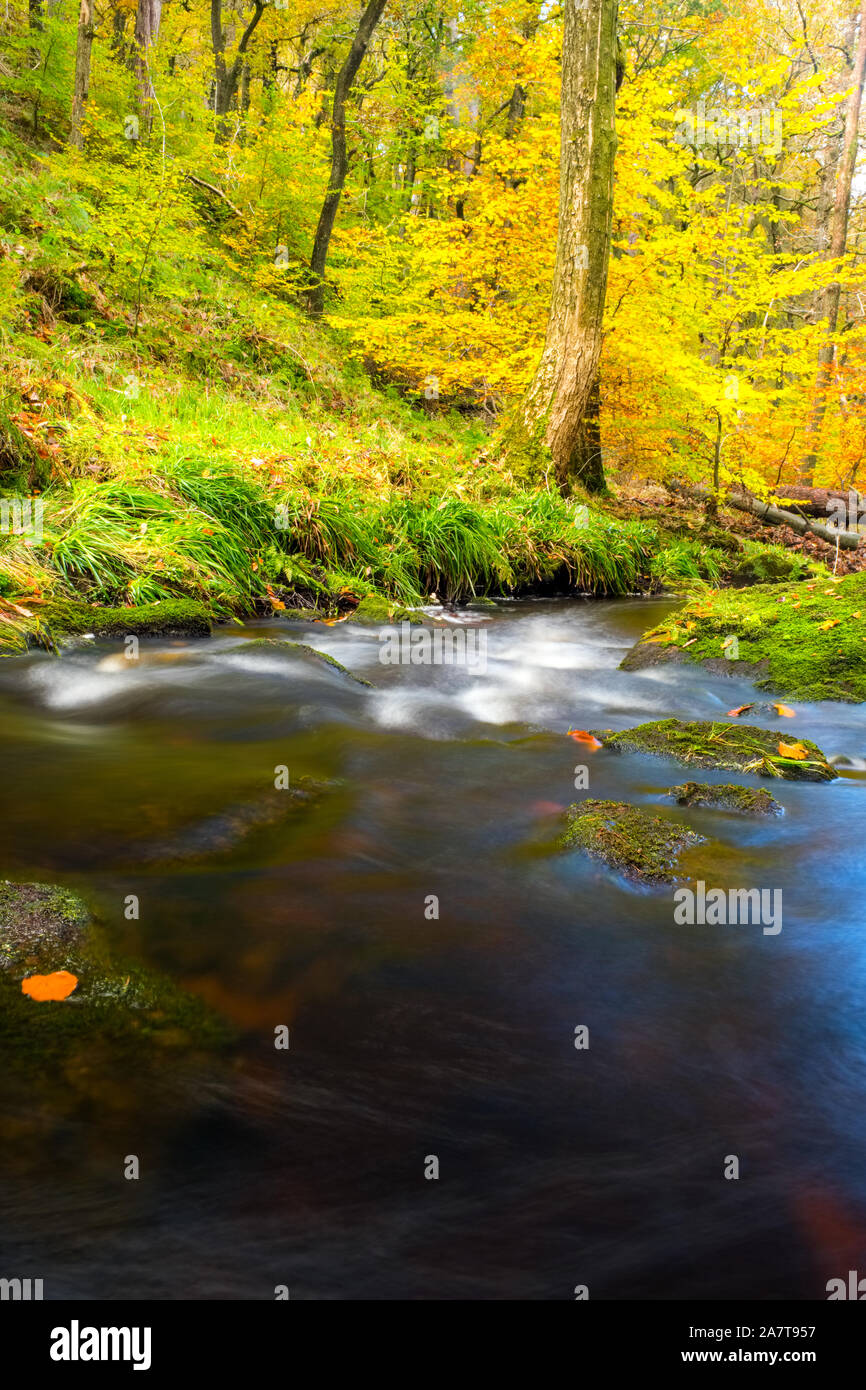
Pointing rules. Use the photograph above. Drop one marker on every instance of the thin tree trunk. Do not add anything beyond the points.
(339, 160)
(835, 248)
(561, 407)
(147, 17)
(83, 47)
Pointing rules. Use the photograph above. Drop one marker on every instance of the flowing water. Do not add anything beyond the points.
(412, 1035)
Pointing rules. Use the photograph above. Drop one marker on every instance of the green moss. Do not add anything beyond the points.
(782, 637)
(727, 796)
(169, 618)
(768, 566)
(382, 611)
(304, 649)
(629, 838)
(740, 747)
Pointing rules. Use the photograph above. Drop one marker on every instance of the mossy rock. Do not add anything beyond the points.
(727, 796)
(739, 747)
(768, 567)
(804, 641)
(44, 928)
(276, 644)
(382, 612)
(181, 617)
(629, 838)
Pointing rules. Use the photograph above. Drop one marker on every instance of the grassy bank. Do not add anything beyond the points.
(804, 641)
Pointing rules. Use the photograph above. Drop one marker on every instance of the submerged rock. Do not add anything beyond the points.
(740, 747)
(46, 929)
(630, 838)
(727, 796)
(276, 644)
(225, 830)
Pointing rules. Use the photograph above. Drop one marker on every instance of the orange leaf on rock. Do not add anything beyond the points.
(784, 710)
(58, 985)
(741, 709)
(583, 736)
(793, 750)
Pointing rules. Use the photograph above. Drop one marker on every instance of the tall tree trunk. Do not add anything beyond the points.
(339, 161)
(561, 406)
(83, 47)
(836, 244)
(147, 16)
(226, 78)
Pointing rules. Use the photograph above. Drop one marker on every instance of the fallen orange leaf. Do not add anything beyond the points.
(785, 711)
(58, 985)
(741, 709)
(831, 622)
(583, 736)
(793, 750)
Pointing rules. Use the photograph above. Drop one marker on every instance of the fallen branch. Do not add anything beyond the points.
(217, 192)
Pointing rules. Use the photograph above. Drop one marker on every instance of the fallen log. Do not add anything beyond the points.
(822, 501)
(776, 516)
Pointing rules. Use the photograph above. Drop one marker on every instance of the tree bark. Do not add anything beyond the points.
(836, 244)
(562, 404)
(226, 78)
(339, 160)
(83, 47)
(821, 501)
(147, 16)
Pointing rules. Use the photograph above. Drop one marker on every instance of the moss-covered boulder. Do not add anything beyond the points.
(804, 641)
(382, 612)
(44, 929)
(641, 845)
(181, 617)
(280, 644)
(767, 566)
(739, 747)
(727, 796)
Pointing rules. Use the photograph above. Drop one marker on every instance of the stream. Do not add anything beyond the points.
(453, 1035)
